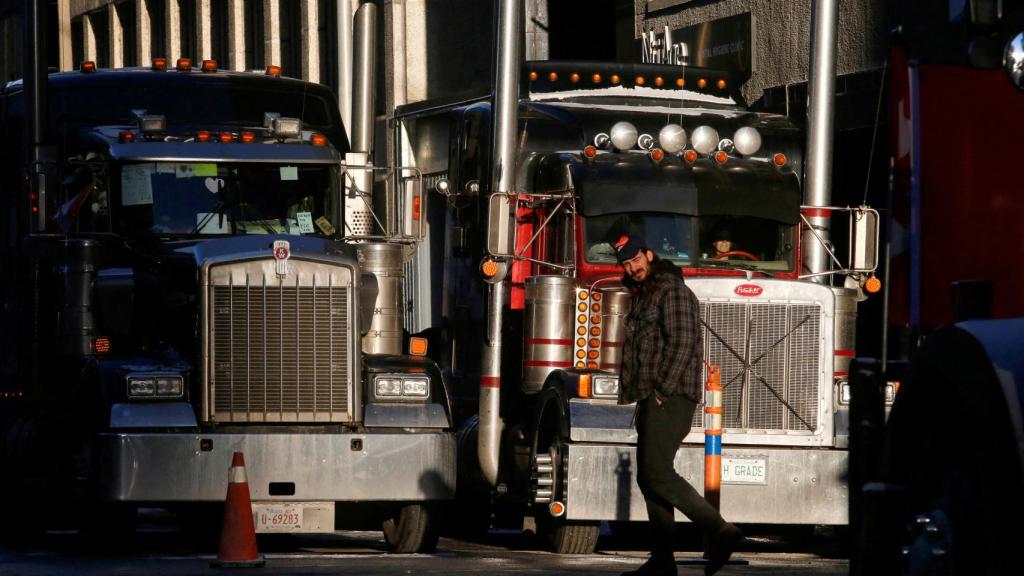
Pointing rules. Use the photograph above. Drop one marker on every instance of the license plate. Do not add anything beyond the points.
(277, 518)
(745, 470)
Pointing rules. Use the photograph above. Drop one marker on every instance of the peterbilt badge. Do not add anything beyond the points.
(748, 290)
(282, 250)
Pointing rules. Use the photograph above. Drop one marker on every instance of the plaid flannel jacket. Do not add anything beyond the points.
(662, 350)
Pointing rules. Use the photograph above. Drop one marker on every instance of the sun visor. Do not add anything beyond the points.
(749, 189)
(617, 187)
(755, 189)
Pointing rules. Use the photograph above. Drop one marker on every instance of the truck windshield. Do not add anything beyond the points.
(668, 235)
(186, 199)
(745, 243)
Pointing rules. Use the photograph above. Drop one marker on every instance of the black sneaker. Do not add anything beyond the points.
(655, 566)
(721, 547)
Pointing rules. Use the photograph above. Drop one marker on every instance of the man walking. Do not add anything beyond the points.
(661, 367)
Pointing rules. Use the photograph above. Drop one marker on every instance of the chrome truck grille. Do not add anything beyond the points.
(279, 349)
(769, 355)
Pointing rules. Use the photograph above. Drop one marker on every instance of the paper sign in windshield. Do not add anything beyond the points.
(305, 222)
(289, 173)
(325, 226)
(136, 187)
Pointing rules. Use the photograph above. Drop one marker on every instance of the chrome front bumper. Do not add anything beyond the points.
(145, 467)
(803, 486)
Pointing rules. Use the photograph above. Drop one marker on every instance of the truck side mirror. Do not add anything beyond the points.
(863, 239)
(1013, 60)
(414, 204)
(499, 225)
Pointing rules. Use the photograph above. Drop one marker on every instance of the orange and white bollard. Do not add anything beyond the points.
(713, 436)
(238, 533)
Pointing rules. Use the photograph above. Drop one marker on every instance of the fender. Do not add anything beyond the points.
(434, 413)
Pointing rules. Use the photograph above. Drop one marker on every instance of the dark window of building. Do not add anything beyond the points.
(291, 38)
(101, 31)
(219, 31)
(254, 35)
(188, 30)
(328, 16)
(583, 29)
(158, 29)
(126, 13)
(77, 52)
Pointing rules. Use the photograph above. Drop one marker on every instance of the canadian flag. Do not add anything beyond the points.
(69, 210)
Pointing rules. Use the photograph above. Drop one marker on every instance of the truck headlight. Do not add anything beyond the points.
(399, 386)
(606, 386)
(143, 385)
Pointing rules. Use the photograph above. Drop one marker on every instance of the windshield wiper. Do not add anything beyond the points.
(218, 211)
(729, 264)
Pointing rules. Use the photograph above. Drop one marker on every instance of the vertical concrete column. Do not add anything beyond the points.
(204, 30)
(236, 35)
(64, 36)
(143, 32)
(172, 31)
(115, 49)
(310, 40)
(88, 38)
(272, 34)
(536, 29)
(399, 70)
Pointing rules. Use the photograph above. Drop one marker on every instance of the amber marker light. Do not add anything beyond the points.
(595, 331)
(575, 77)
(593, 354)
(418, 346)
(533, 75)
(592, 365)
(659, 81)
(595, 307)
(202, 136)
(596, 296)
(184, 65)
(779, 159)
(581, 364)
(616, 79)
(595, 343)
(226, 137)
(553, 76)
(318, 139)
(583, 385)
(590, 151)
(274, 71)
(596, 78)
(582, 307)
(159, 64)
(690, 155)
(595, 319)
(582, 318)
(581, 354)
(556, 509)
(125, 136)
(582, 330)
(581, 342)
(702, 83)
(873, 285)
(247, 137)
(583, 295)
(640, 81)
(657, 154)
(209, 66)
(721, 157)
(101, 345)
(721, 84)
(680, 82)
(489, 268)
(87, 66)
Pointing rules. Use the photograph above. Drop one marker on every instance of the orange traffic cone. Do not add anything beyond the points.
(238, 534)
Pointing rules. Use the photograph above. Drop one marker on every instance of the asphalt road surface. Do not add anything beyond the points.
(159, 548)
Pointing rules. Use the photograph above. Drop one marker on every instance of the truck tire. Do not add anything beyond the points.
(410, 530)
(565, 537)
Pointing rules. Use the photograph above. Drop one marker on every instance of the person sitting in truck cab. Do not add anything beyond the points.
(721, 244)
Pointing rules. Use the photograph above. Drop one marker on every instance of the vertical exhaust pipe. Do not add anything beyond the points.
(818, 165)
(345, 21)
(506, 123)
(364, 80)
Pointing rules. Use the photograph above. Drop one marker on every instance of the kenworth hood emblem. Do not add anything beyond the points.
(282, 250)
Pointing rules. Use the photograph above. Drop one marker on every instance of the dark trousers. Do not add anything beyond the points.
(660, 430)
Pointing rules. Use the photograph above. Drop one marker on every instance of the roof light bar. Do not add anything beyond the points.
(87, 67)
(159, 64)
(184, 65)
